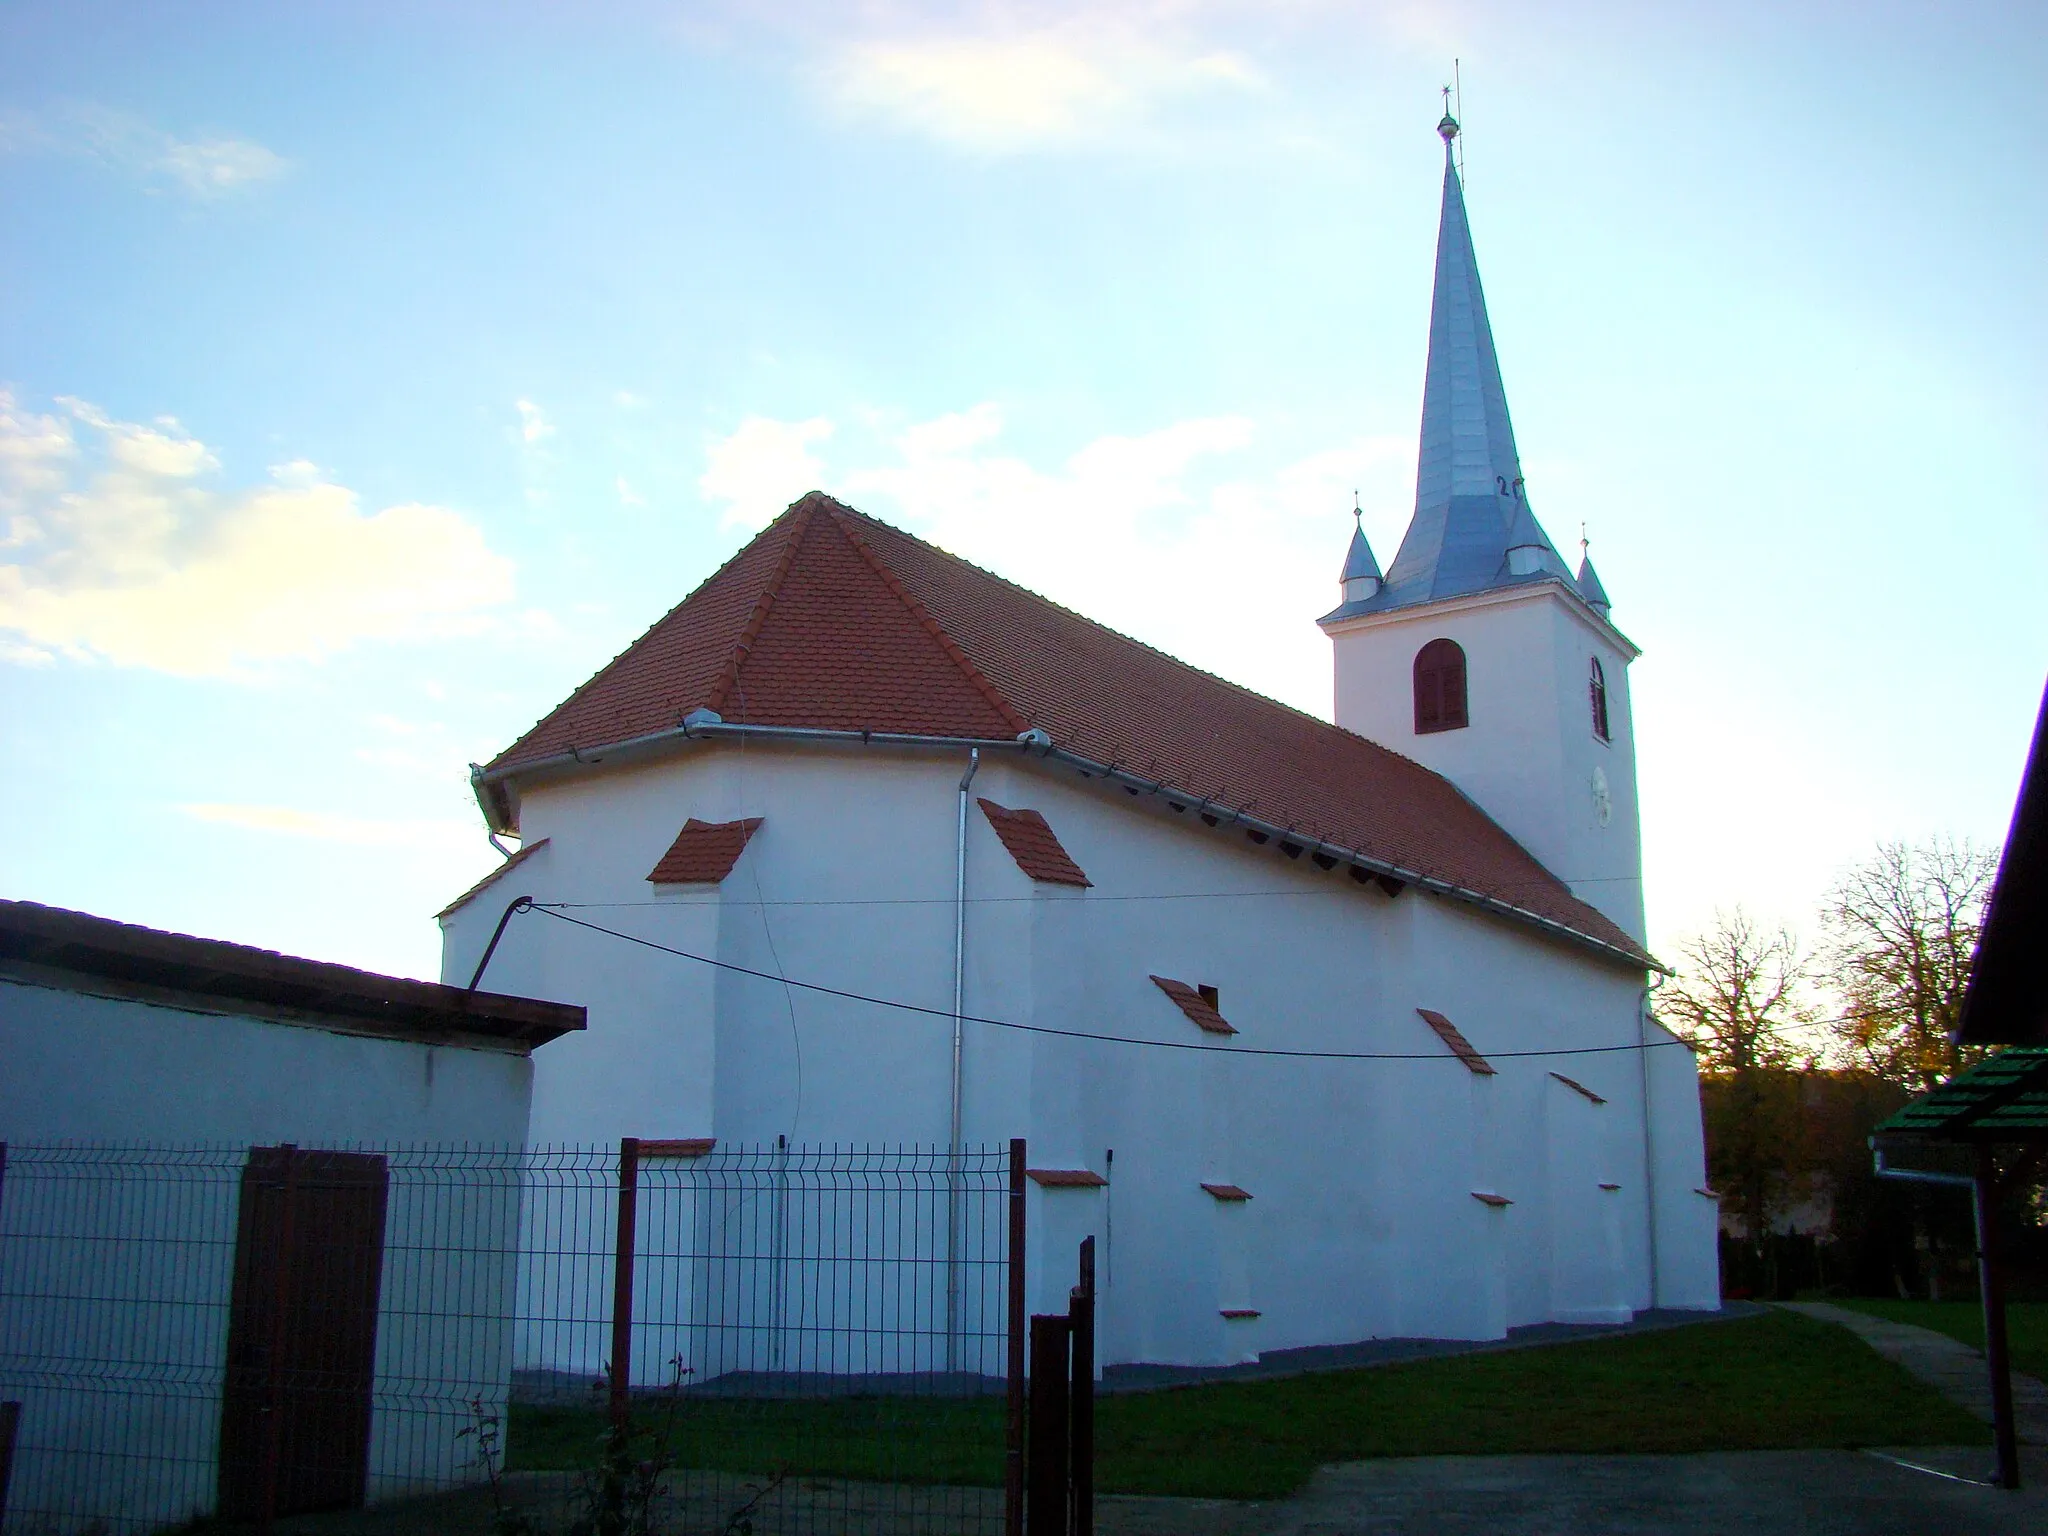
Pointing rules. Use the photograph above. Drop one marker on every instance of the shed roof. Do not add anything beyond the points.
(832, 620)
(2007, 998)
(2003, 1098)
(704, 852)
(1031, 841)
(1462, 1048)
(52, 946)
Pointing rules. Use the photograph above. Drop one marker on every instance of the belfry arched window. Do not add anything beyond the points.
(1440, 688)
(1597, 687)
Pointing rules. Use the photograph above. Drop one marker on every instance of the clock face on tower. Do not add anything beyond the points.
(1603, 798)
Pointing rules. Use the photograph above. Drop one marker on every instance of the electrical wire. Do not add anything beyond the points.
(1093, 896)
(553, 909)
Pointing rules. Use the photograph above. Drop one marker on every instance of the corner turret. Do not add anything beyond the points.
(1361, 578)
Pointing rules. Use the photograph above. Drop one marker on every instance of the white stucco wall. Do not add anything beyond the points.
(117, 1266)
(86, 1068)
(1530, 752)
(1363, 1220)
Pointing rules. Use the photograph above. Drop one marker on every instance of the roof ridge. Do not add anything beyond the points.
(841, 516)
(798, 516)
(1143, 645)
(638, 640)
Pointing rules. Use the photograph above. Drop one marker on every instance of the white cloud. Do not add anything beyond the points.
(119, 549)
(211, 166)
(322, 826)
(206, 167)
(762, 467)
(533, 423)
(297, 472)
(1167, 535)
(1078, 81)
(628, 497)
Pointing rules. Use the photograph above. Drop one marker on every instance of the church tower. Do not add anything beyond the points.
(1479, 654)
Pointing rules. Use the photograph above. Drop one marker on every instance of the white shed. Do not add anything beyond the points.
(224, 1199)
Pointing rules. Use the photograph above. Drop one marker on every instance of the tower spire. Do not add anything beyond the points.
(1473, 527)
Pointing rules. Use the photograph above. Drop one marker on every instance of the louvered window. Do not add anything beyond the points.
(1440, 688)
(1598, 688)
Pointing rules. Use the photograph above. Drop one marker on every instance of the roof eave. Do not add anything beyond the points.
(1633, 959)
(1347, 616)
(1037, 743)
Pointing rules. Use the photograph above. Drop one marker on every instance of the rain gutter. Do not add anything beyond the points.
(705, 725)
(1293, 836)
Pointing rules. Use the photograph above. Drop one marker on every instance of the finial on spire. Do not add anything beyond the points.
(1357, 509)
(1448, 128)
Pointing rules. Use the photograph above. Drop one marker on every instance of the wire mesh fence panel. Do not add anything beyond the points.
(815, 1342)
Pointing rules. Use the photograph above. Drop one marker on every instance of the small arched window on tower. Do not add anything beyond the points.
(1597, 687)
(1440, 688)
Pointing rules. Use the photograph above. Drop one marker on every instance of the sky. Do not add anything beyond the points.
(372, 374)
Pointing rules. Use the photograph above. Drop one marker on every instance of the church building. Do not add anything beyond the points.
(1325, 1031)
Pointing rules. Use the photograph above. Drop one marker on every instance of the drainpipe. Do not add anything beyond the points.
(959, 1007)
(1649, 1150)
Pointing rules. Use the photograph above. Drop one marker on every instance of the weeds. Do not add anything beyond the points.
(621, 1493)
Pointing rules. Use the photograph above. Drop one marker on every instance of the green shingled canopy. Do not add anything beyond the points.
(2003, 1098)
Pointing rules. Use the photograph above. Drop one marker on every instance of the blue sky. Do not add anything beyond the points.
(375, 373)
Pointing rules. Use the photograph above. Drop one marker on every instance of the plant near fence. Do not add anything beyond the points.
(619, 1493)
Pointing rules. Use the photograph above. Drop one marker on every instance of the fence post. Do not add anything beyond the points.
(10, 1413)
(1991, 1285)
(1081, 1418)
(622, 1279)
(273, 1387)
(1046, 1503)
(1013, 1430)
(10, 1425)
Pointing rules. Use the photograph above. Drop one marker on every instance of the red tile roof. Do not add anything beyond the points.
(829, 619)
(1578, 1087)
(1065, 1178)
(681, 1148)
(1198, 1008)
(1496, 1201)
(1032, 844)
(492, 878)
(1452, 1036)
(1228, 1192)
(704, 852)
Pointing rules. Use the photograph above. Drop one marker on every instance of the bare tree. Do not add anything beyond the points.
(1898, 933)
(1737, 1003)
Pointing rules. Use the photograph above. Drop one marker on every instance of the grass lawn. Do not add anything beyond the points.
(872, 1439)
(2026, 1325)
(1777, 1381)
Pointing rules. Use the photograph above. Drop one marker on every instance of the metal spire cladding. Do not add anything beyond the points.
(1472, 529)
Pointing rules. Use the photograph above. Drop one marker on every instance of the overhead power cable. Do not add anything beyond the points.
(553, 910)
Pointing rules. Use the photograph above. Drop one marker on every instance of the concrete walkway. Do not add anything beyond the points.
(1922, 1491)
(1953, 1369)
(1916, 1492)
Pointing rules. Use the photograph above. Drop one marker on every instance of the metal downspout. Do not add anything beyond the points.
(1649, 1148)
(959, 1006)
